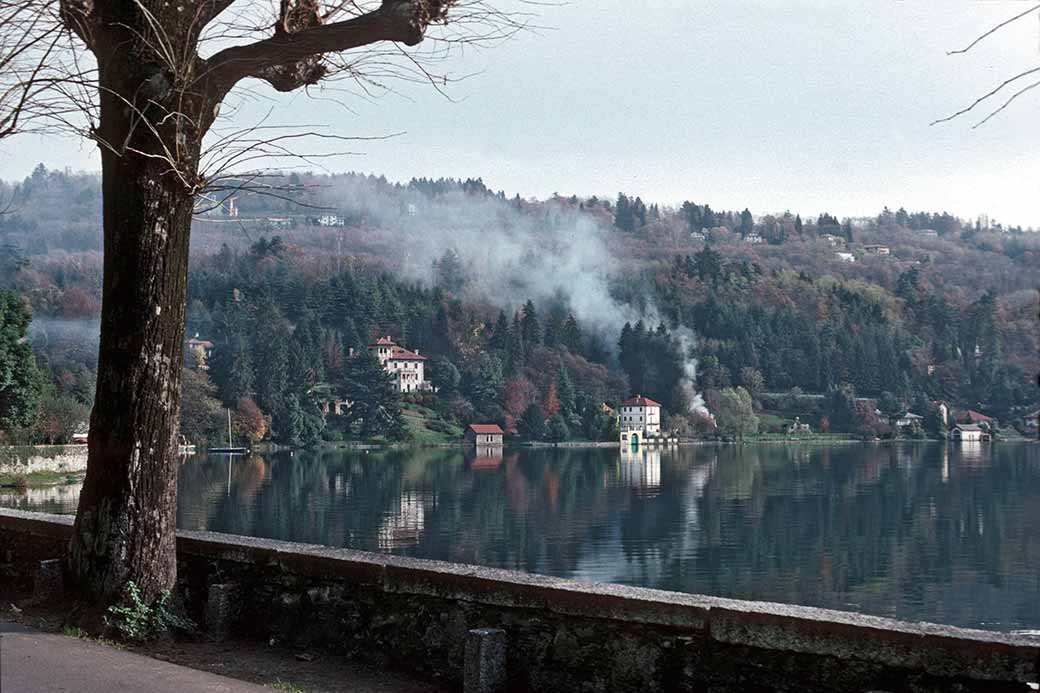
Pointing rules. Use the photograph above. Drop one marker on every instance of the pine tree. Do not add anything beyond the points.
(532, 330)
(21, 382)
(499, 340)
(531, 425)
(515, 353)
(375, 401)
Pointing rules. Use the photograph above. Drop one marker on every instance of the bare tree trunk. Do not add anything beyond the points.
(127, 509)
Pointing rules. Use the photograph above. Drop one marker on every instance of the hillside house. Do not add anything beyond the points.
(929, 233)
(969, 433)
(485, 435)
(331, 220)
(754, 238)
(408, 367)
(973, 417)
(877, 249)
(697, 236)
(845, 257)
(201, 349)
(909, 420)
(640, 418)
(798, 427)
(835, 241)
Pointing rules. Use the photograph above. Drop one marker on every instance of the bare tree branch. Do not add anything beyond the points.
(987, 95)
(993, 31)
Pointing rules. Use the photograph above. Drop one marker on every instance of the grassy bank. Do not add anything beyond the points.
(37, 479)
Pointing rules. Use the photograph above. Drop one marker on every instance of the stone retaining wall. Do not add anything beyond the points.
(561, 635)
(29, 459)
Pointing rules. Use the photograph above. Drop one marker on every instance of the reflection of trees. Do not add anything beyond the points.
(881, 529)
(875, 530)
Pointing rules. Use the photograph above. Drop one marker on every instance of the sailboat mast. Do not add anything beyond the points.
(229, 443)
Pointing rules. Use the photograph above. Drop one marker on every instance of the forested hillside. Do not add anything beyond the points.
(535, 314)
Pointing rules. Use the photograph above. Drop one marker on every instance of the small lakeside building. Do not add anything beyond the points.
(485, 435)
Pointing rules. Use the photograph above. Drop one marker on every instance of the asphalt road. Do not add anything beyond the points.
(36, 662)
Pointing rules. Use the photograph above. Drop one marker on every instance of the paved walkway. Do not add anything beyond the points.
(36, 662)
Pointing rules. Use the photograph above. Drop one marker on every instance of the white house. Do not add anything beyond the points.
(968, 433)
(835, 241)
(845, 257)
(754, 238)
(877, 249)
(407, 366)
(330, 220)
(640, 418)
(909, 420)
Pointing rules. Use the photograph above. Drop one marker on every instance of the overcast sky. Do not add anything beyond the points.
(775, 104)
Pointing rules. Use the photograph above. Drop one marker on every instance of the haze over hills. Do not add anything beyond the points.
(615, 296)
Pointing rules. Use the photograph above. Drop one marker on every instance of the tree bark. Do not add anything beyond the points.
(125, 524)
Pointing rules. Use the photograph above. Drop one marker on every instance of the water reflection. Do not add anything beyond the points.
(919, 532)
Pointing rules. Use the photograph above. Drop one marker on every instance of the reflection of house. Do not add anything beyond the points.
(405, 527)
(640, 469)
(877, 249)
(487, 457)
(485, 435)
(407, 366)
(640, 418)
(968, 433)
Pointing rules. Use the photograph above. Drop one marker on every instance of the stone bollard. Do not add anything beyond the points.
(219, 609)
(49, 581)
(485, 661)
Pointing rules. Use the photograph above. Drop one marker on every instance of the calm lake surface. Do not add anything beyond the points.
(949, 534)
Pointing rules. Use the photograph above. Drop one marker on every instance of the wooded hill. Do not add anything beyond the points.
(522, 303)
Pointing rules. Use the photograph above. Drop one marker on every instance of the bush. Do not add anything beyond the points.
(139, 621)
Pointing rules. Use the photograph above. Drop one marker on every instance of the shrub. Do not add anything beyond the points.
(139, 621)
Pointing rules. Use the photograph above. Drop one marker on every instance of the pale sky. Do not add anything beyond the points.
(774, 104)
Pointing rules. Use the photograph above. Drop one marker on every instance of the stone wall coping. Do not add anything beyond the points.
(936, 648)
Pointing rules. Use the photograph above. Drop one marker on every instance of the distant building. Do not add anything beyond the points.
(640, 418)
(697, 236)
(229, 207)
(407, 366)
(909, 420)
(878, 249)
(280, 222)
(331, 220)
(969, 433)
(799, 427)
(754, 238)
(845, 257)
(835, 241)
(1032, 421)
(930, 233)
(485, 435)
(201, 349)
(973, 417)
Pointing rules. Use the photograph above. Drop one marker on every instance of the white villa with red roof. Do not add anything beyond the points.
(407, 366)
(639, 418)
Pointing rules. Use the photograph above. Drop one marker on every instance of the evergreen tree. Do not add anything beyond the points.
(747, 222)
(531, 425)
(571, 335)
(499, 340)
(531, 329)
(375, 401)
(515, 353)
(558, 430)
(21, 382)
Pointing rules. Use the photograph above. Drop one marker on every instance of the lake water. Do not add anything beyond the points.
(932, 532)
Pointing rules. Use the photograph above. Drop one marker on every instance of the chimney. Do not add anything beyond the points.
(416, 352)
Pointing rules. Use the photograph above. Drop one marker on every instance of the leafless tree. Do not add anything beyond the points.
(145, 80)
(1008, 91)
